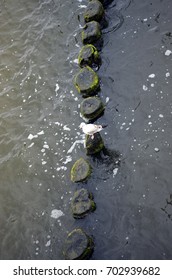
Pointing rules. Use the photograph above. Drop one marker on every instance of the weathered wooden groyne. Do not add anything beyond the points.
(79, 245)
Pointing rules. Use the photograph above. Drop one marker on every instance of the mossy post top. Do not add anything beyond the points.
(80, 171)
(82, 203)
(94, 11)
(91, 108)
(78, 245)
(89, 56)
(87, 81)
(91, 32)
(94, 145)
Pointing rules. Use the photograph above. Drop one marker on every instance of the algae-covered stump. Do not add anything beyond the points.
(91, 32)
(80, 171)
(78, 246)
(82, 204)
(94, 145)
(94, 11)
(92, 107)
(87, 81)
(89, 56)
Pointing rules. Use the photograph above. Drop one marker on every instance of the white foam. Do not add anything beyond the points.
(74, 144)
(82, 6)
(57, 123)
(107, 99)
(40, 133)
(75, 61)
(61, 168)
(57, 88)
(31, 145)
(168, 52)
(68, 159)
(66, 128)
(46, 147)
(56, 214)
(48, 243)
(152, 76)
(31, 136)
(115, 171)
(145, 88)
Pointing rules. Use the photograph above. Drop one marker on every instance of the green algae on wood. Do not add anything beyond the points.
(87, 81)
(80, 171)
(78, 245)
(82, 204)
(89, 55)
(91, 108)
(91, 32)
(94, 145)
(94, 11)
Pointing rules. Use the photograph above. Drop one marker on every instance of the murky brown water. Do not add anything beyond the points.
(40, 138)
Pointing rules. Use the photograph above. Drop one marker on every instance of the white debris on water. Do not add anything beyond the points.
(40, 133)
(57, 123)
(82, 6)
(46, 146)
(107, 99)
(167, 74)
(31, 136)
(76, 61)
(145, 88)
(68, 159)
(31, 145)
(74, 144)
(152, 76)
(168, 52)
(66, 128)
(57, 88)
(61, 168)
(48, 243)
(161, 115)
(56, 214)
(115, 171)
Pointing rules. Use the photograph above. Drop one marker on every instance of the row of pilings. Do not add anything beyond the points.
(78, 244)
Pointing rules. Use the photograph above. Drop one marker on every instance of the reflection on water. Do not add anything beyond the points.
(40, 138)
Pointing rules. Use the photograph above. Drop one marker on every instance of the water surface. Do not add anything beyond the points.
(40, 138)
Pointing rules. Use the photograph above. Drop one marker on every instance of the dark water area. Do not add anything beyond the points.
(40, 137)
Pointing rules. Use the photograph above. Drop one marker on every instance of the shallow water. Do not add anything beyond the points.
(40, 138)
